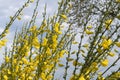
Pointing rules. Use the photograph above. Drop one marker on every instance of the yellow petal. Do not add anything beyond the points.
(81, 77)
(117, 44)
(104, 63)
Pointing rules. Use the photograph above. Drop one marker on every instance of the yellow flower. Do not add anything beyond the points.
(5, 77)
(62, 53)
(56, 28)
(85, 45)
(44, 42)
(70, 5)
(94, 64)
(14, 61)
(9, 71)
(60, 65)
(106, 43)
(45, 63)
(26, 5)
(44, 23)
(43, 76)
(104, 63)
(108, 22)
(24, 60)
(118, 1)
(54, 45)
(99, 50)
(11, 17)
(30, 78)
(63, 16)
(3, 42)
(16, 68)
(89, 32)
(75, 42)
(103, 37)
(81, 77)
(69, 59)
(54, 38)
(19, 18)
(89, 27)
(75, 62)
(48, 51)
(107, 26)
(72, 78)
(111, 54)
(31, 1)
(49, 77)
(7, 59)
(118, 16)
(33, 28)
(36, 43)
(101, 78)
(7, 31)
(117, 44)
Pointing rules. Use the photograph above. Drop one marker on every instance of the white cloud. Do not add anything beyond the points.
(26, 17)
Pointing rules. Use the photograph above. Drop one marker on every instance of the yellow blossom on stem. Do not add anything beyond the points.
(75, 62)
(118, 16)
(72, 78)
(89, 32)
(48, 51)
(7, 31)
(11, 17)
(24, 60)
(63, 16)
(106, 43)
(19, 18)
(101, 78)
(104, 63)
(33, 28)
(117, 44)
(44, 23)
(36, 43)
(3, 42)
(89, 27)
(111, 54)
(56, 28)
(30, 78)
(62, 53)
(7, 59)
(81, 77)
(44, 42)
(31, 1)
(85, 45)
(75, 42)
(9, 71)
(107, 27)
(54, 38)
(60, 65)
(5, 77)
(42, 76)
(70, 5)
(108, 22)
(118, 1)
